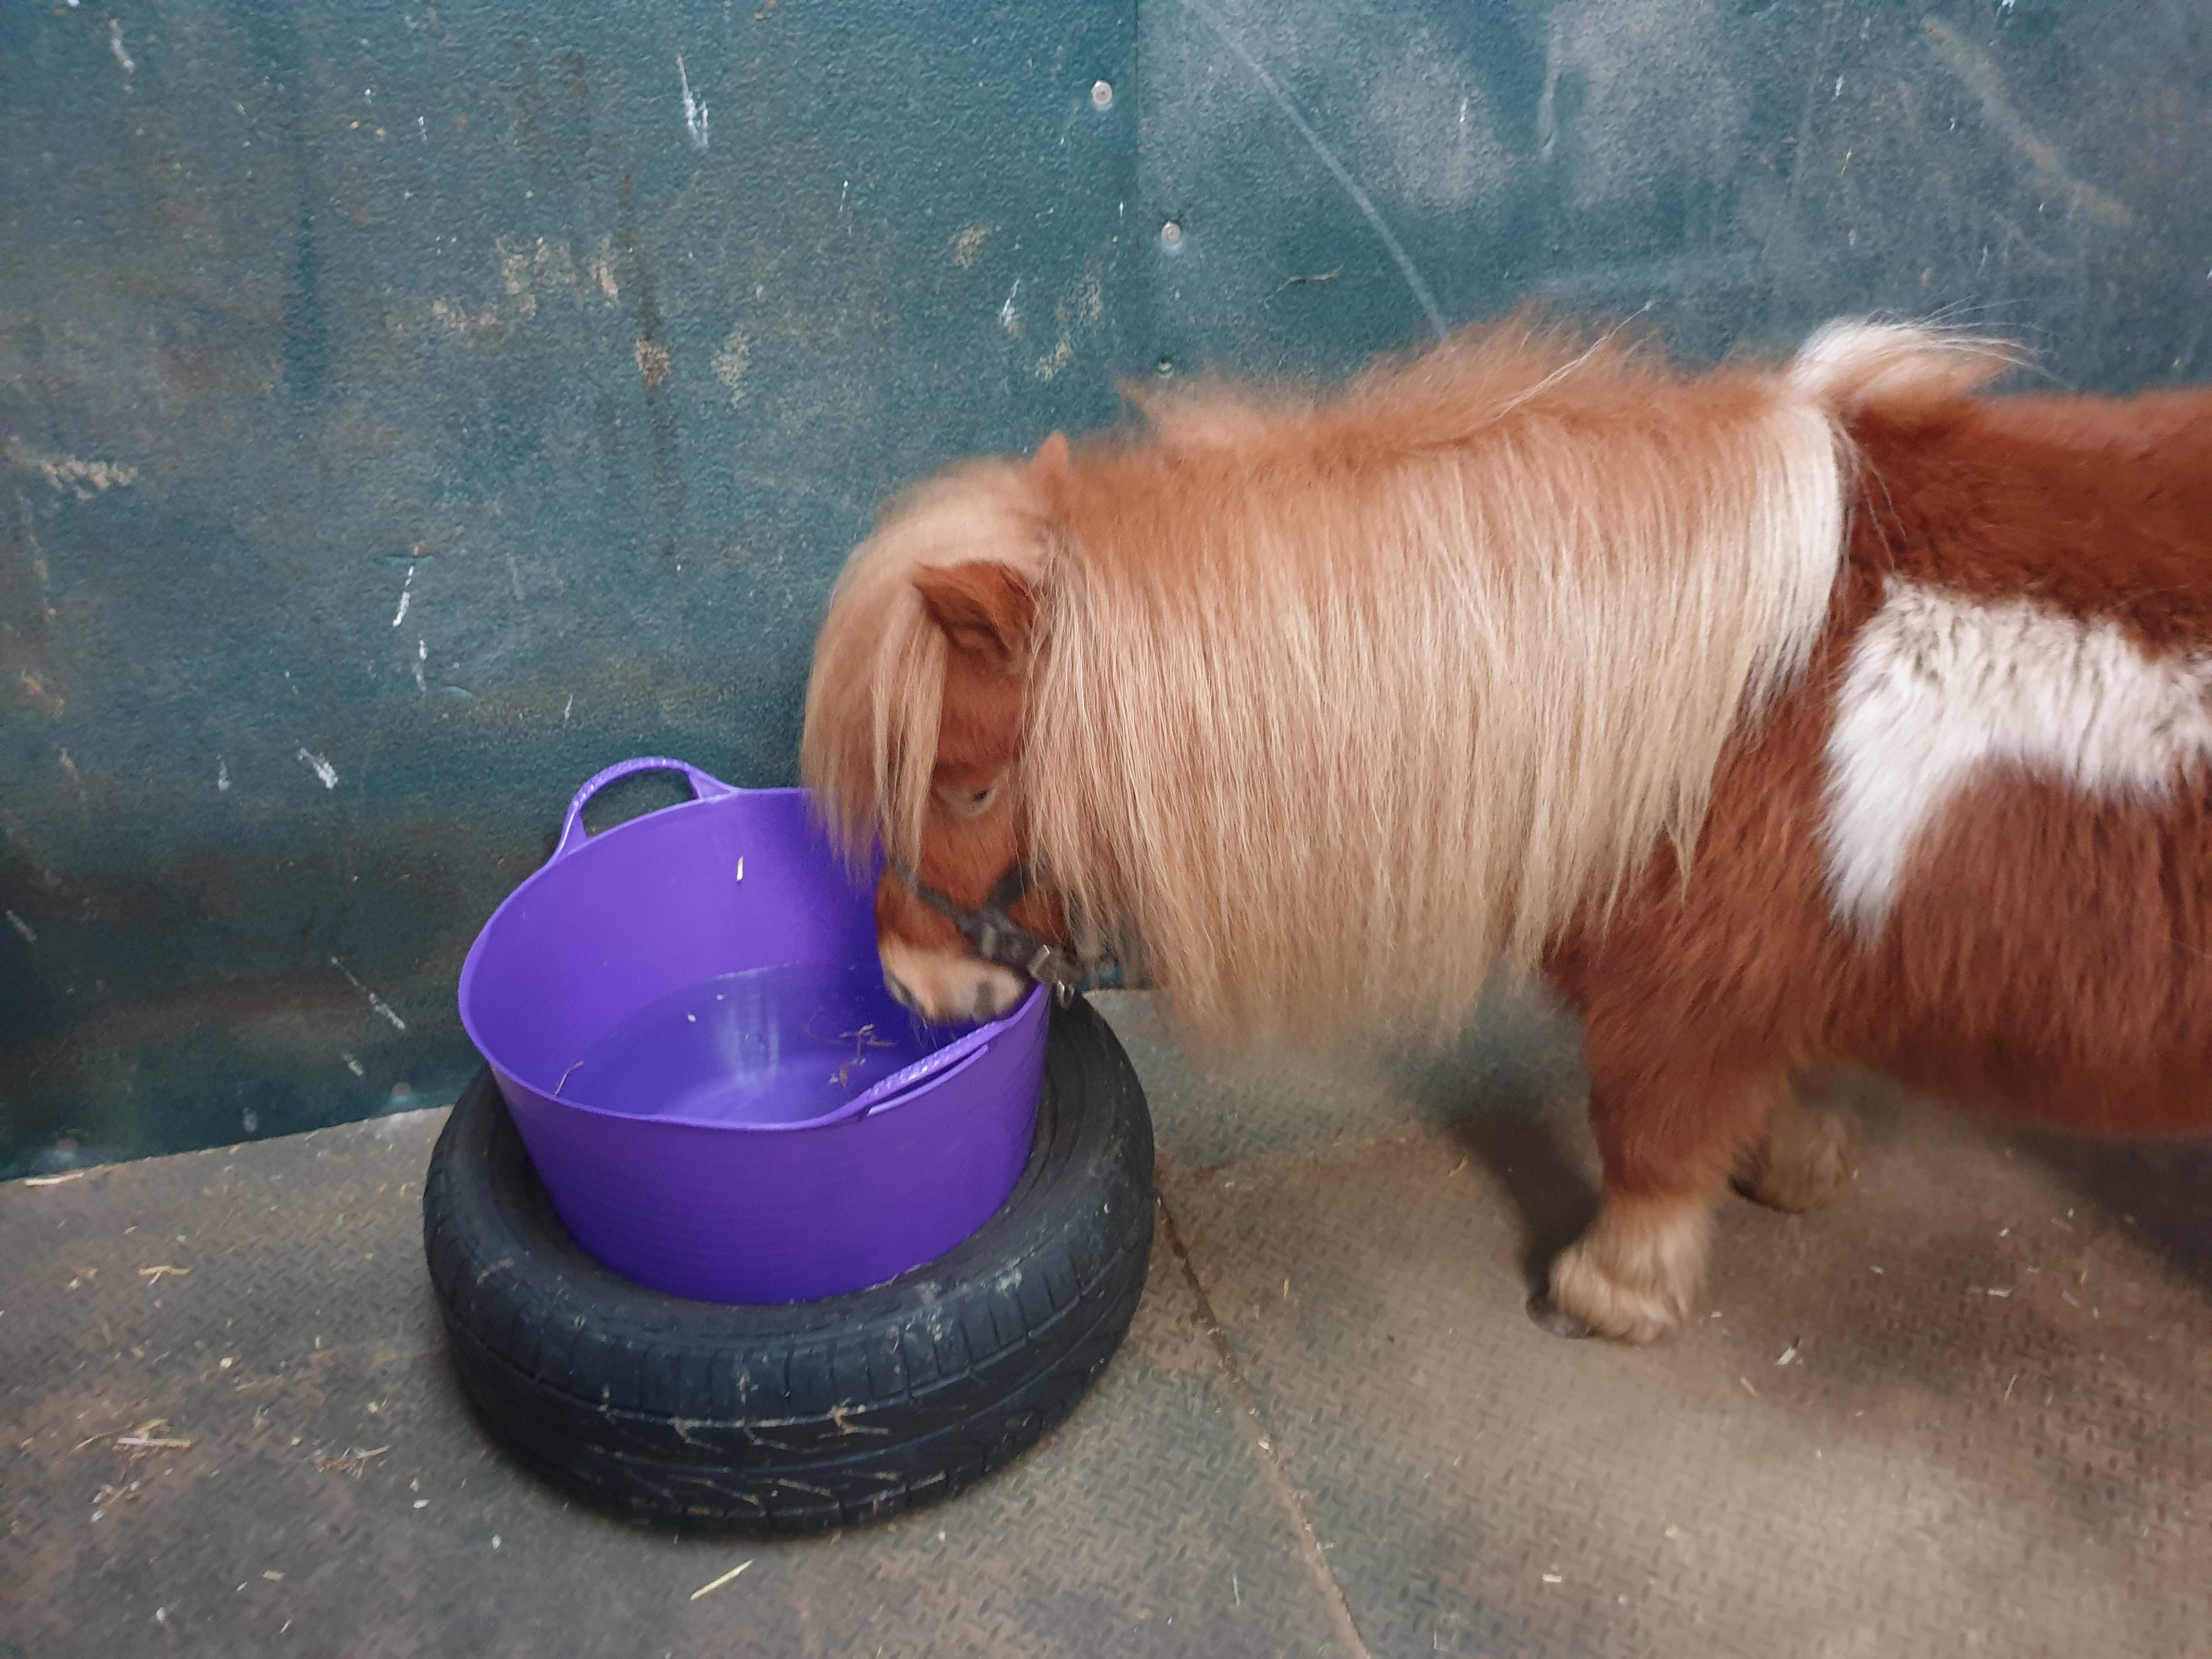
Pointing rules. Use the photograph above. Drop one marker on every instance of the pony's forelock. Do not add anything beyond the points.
(875, 696)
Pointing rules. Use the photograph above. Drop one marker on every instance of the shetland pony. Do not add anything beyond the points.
(1783, 719)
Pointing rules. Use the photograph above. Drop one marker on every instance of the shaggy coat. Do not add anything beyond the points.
(1782, 719)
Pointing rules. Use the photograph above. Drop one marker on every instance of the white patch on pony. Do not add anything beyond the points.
(1941, 688)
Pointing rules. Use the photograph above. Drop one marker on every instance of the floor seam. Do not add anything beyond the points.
(1263, 1443)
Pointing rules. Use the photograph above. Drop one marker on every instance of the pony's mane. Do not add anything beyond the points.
(1338, 703)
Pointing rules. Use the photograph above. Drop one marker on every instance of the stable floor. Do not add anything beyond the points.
(1968, 1409)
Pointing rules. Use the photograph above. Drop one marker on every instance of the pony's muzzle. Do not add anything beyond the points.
(946, 988)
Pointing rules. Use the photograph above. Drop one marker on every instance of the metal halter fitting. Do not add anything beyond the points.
(998, 938)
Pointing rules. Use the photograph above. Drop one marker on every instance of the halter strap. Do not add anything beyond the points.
(997, 937)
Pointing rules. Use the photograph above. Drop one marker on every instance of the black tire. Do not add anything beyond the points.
(811, 1415)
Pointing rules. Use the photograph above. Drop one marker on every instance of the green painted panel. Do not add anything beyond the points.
(404, 413)
(407, 410)
(1734, 171)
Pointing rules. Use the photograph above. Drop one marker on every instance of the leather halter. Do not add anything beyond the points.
(997, 937)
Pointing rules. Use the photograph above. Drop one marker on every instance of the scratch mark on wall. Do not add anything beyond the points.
(966, 245)
(30, 934)
(374, 1001)
(421, 657)
(539, 270)
(601, 265)
(1337, 170)
(553, 266)
(102, 475)
(549, 268)
(569, 708)
(1061, 355)
(1980, 76)
(38, 556)
(221, 775)
(1009, 319)
(457, 316)
(68, 767)
(406, 593)
(352, 1065)
(115, 45)
(731, 362)
(1547, 130)
(322, 768)
(1078, 311)
(670, 492)
(694, 113)
(514, 271)
(34, 688)
(1438, 139)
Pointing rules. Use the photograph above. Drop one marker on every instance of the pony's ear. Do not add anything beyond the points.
(1050, 464)
(985, 608)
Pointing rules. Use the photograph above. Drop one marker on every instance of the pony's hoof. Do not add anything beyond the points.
(1554, 1321)
(1631, 1276)
(1803, 1160)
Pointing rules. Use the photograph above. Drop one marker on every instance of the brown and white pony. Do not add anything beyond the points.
(1783, 719)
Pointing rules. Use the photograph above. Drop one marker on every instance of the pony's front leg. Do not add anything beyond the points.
(1669, 1141)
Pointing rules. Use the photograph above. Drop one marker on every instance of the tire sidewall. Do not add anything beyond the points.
(587, 1374)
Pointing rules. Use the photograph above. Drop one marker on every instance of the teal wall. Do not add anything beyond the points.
(1736, 172)
(405, 411)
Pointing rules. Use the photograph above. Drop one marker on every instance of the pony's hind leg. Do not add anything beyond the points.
(1803, 1159)
(1669, 1143)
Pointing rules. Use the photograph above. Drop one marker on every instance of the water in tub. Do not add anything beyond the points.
(773, 1045)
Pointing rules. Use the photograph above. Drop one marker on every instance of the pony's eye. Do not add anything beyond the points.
(970, 803)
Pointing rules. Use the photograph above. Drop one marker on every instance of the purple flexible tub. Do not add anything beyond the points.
(784, 1202)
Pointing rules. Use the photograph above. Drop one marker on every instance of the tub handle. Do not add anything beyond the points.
(704, 786)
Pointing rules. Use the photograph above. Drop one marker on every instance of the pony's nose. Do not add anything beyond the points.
(946, 988)
(994, 998)
(900, 994)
